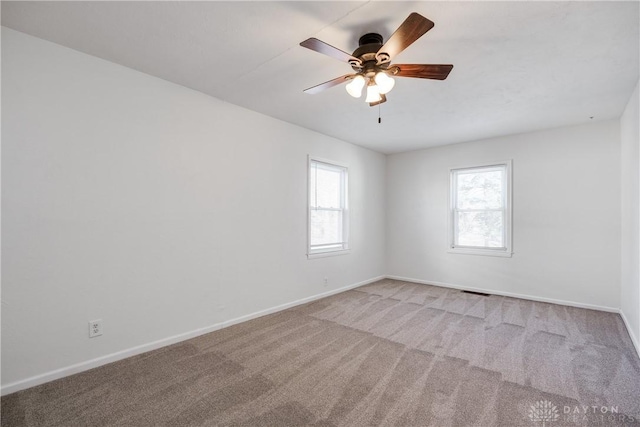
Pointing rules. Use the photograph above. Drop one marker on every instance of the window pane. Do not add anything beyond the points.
(328, 221)
(328, 187)
(312, 185)
(326, 227)
(481, 229)
(479, 189)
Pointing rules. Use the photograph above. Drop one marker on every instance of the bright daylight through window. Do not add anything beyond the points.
(480, 215)
(328, 211)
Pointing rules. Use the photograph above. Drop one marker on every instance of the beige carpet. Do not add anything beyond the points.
(389, 353)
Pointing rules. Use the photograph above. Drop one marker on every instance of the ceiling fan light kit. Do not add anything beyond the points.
(355, 86)
(384, 82)
(373, 94)
(381, 81)
(371, 61)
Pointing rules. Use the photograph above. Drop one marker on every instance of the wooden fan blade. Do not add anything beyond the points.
(423, 71)
(384, 99)
(326, 49)
(414, 27)
(326, 85)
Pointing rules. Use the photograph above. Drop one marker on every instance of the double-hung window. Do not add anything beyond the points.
(480, 210)
(328, 208)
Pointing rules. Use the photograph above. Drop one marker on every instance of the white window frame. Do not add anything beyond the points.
(507, 196)
(343, 247)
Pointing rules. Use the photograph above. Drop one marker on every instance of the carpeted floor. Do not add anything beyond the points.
(389, 353)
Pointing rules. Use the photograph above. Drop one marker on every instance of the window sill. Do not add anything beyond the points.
(328, 253)
(482, 252)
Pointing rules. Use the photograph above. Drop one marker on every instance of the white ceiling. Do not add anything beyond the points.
(519, 66)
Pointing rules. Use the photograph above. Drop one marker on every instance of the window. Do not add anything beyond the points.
(328, 208)
(480, 211)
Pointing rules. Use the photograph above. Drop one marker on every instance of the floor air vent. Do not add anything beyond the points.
(476, 293)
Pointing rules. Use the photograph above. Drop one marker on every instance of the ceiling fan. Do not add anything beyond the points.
(371, 61)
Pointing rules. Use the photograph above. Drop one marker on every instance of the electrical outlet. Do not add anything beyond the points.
(95, 328)
(326, 281)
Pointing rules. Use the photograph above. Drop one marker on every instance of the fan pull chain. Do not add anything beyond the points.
(379, 119)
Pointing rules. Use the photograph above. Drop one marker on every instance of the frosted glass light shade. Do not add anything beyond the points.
(373, 94)
(384, 82)
(354, 87)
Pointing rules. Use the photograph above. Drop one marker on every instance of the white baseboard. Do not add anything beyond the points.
(509, 294)
(102, 360)
(114, 357)
(123, 354)
(634, 339)
(298, 302)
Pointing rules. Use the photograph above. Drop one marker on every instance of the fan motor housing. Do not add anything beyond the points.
(369, 45)
(370, 38)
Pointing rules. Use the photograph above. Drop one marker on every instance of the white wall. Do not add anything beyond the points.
(566, 216)
(630, 173)
(153, 207)
(133, 200)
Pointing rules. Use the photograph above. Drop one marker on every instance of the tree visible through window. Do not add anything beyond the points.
(328, 214)
(480, 208)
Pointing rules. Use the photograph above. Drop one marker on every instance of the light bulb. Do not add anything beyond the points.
(354, 87)
(384, 82)
(373, 94)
